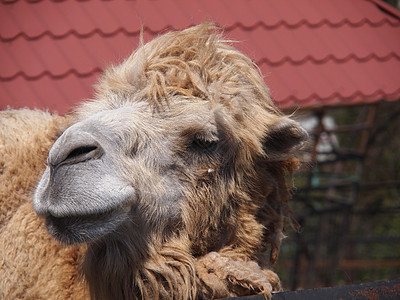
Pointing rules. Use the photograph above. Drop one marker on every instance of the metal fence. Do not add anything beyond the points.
(347, 201)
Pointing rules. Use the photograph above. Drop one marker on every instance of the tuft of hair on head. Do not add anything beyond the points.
(195, 62)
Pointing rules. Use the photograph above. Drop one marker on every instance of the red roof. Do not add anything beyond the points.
(311, 52)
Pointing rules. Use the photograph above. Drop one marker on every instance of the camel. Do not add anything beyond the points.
(170, 184)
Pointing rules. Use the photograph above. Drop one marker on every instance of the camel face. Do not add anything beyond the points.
(127, 163)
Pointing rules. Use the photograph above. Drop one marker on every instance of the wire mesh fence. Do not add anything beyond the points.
(347, 201)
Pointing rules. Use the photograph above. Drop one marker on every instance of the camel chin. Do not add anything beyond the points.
(74, 230)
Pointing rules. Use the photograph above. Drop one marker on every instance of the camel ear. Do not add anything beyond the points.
(283, 139)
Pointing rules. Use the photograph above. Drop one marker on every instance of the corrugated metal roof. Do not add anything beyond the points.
(311, 52)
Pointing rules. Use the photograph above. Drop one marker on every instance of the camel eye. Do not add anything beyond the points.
(203, 146)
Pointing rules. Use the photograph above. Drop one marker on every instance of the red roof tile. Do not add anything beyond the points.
(311, 52)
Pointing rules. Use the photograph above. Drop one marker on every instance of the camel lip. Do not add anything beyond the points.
(81, 229)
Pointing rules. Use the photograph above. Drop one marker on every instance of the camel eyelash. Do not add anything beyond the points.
(200, 141)
(203, 145)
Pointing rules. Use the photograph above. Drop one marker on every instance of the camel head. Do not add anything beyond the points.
(182, 140)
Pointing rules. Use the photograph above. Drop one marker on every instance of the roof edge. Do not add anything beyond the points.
(337, 99)
(394, 12)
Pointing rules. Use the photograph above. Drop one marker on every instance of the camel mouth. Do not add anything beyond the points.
(81, 229)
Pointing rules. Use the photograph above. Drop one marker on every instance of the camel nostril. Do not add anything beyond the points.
(74, 146)
(80, 151)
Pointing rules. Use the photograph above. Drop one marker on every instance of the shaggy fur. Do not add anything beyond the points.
(33, 265)
(208, 201)
(25, 140)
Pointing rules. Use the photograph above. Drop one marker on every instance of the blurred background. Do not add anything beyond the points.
(335, 64)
